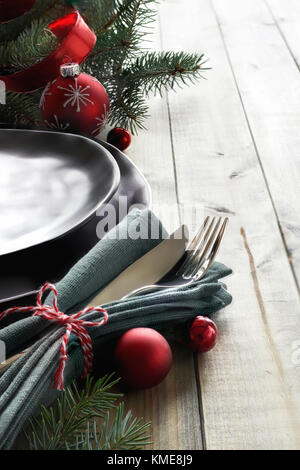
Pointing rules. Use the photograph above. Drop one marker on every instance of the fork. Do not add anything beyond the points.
(197, 259)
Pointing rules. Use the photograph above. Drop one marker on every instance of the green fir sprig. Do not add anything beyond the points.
(82, 420)
(128, 71)
(124, 433)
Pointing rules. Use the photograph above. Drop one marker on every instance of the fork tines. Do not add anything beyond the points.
(203, 248)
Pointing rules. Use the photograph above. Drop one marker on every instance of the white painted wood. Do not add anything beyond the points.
(268, 80)
(250, 386)
(286, 14)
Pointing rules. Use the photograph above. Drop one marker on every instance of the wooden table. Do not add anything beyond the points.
(231, 146)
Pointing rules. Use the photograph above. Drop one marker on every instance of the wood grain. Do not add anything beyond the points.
(268, 81)
(172, 406)
(222, 132)
(231, 146)
(286, 16)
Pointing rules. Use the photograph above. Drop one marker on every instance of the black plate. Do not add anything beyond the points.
(23, 273)
(50, 184)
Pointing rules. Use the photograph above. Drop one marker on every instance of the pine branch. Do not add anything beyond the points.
(21, 109)
(33, 42)
(151, 72)
(31, 46)
(42, 8)
(127, 71)
(68, 424)
(120, 32)
(138, 14)
(101, 15)
(128, 108)
(125, 433)
(128, 74)
(155, 71)
(59, 427)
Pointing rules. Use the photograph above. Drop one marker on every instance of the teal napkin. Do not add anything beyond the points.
(111, 255)
(28, 382)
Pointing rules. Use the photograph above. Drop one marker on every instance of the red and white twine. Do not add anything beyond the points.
(73, 324)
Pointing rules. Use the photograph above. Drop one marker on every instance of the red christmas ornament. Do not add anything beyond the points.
(143, 358)
(119, 137)
(203, 334)
(75, 102)
(12, 9)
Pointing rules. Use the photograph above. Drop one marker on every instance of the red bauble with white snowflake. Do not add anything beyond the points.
(75, 102)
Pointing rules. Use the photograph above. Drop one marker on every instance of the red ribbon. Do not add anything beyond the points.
(73, 323)
(77, 41)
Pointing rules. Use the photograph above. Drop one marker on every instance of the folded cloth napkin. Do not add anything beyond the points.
(28, 382)
(110, 256)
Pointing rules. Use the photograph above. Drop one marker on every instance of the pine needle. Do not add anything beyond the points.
(73, 421)
(127, 71)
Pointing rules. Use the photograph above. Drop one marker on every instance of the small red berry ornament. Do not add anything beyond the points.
(75, 102)
(119, 137)
(203, 334)
(143, 358)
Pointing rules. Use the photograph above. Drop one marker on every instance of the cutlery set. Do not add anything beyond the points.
(171, 265)
(196, 260)
(48, 173)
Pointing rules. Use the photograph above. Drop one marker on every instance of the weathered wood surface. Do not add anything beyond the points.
(172, 406)
(231, 146)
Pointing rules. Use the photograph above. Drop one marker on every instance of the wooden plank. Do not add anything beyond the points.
(268, 81)
(172, 406)
(287, 17)
(250, 386)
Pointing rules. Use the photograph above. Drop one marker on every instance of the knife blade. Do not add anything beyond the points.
(148, 269)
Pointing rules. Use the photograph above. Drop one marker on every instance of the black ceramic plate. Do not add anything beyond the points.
(50, 184)
(23, 273)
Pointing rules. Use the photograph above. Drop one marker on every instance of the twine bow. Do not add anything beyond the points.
(73, 324)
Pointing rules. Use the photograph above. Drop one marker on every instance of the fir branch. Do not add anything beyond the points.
(155, 71)
(127, 71)
(67, 424)
(21, 109)
(128, 108)
(101, 15)
(47, 9)
(31, 46)
(125, 433)
(119, 37)
(129, 74)
(57, 428)
(138, 14)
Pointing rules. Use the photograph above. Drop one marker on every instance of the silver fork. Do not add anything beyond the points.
(198, 257)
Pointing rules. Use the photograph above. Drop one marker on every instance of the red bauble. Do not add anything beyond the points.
(12, 9)
(203, 334)
(143, 358)
(77, 104)
(119, 137)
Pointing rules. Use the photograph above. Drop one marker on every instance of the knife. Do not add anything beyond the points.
(148, 269)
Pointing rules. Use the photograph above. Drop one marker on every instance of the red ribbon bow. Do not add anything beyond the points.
(76, 42)
(73, 324)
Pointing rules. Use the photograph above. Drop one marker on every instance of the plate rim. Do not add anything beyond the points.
(146, 182)
(149, 206)
(84, 220)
